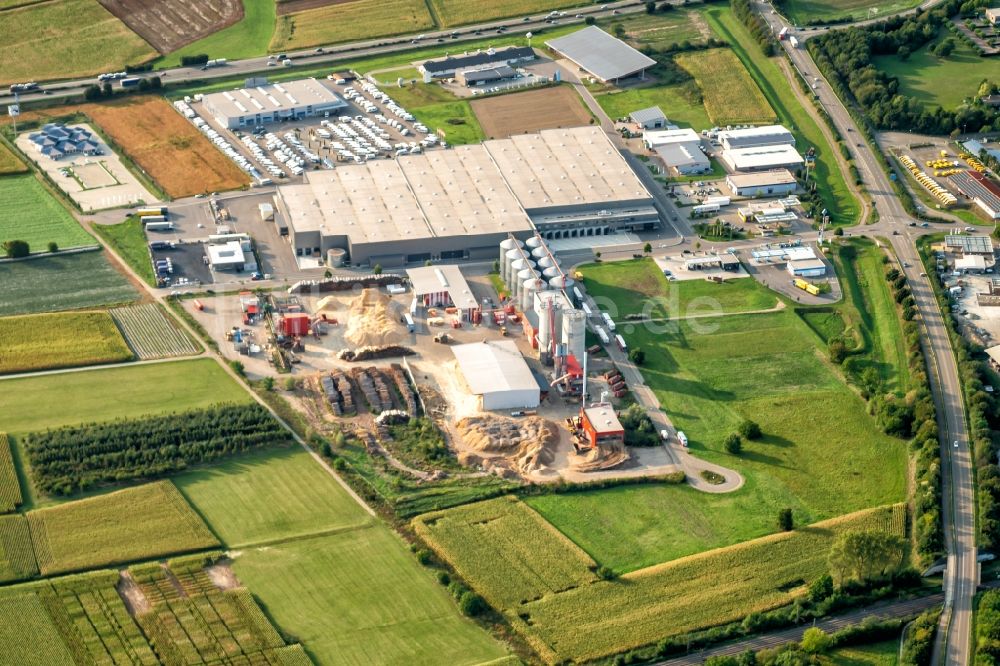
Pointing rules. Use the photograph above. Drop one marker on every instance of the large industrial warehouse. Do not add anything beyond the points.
(291, 100)
(460, 203)
(497, 373)
(605, 57)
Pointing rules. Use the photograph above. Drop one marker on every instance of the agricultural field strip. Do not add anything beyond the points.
(151, 334)
(588, 622)
(730, 95)
(30, 213)
(17, 556)
(52, 341)
(10, 486)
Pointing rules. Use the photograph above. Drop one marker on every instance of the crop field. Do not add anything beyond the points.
(636, 286)
(66, 40)
(169, 25)
(151, 334)
(662, 30)
(265, 497)
(64, 282)
(530, 111)
(350, 21)
(246, 38)
(730, 95)
(49, 341)
(818, 11)
(191, 621)
(128, 240)
(31, 214)
(28, 634)
(936, 81)
(9, 162)
(359, 597)
(10, 486)
(460, 12)
(114, 393)
(171, 150)
(17, 557)
(600, 618)
(137, 523)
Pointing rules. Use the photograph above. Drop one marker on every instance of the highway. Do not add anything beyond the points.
(316, 57)
(961, 576)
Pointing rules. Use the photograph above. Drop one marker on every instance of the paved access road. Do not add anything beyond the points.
(961, 576)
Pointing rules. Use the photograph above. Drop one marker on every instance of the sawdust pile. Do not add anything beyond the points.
(507, 446)
(370, 322)
(595, 460)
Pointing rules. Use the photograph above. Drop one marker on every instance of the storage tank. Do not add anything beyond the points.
(335, 257)
(548, 260)
(545, 313)
(561, 282)
(574, 333)
(534, 242)
(505, 272)
(539, 252)
(528, 290)
(551, 272)
(506, 246)
(520, 278)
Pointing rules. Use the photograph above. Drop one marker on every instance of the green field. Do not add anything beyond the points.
(455, 119)
(137, 523)
(245, 39)
(151, 333)
(50, 341)
(257, 498)
(660, 31)
(567, 614)
(360, 598)
(638, 285)
(9, 162)
(66, 40)
(129, 240)
(459, 12)
(31, 214)
(28, 635)
(818, 11)
(110, 393)
(935, 81)
(17, 556)
(680, 102)
(885, 653)
(350, 21)
(729, 94)
(10, 486)
(65, 282)
(833, 189)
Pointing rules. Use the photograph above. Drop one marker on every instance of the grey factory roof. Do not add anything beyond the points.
(971, 244)
(762, 157)
(761, 178)
(489, 73)
(756, 136)
(487, 57)
(643, 116)
(273, 98)
(682, 154)
(436, 279)
(494, 366)
(599, 53)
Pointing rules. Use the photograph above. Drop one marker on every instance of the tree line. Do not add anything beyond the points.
(846, 57)
(74, 458)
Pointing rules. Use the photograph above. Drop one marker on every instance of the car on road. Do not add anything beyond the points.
(924, 225)
(906, 264)
(955, 444)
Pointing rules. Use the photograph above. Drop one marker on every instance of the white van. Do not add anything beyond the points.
(682, 438)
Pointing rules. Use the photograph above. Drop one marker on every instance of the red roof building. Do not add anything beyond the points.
(295, 324)
(601, 426)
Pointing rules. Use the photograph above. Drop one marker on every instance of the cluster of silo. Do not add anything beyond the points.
(520, 271)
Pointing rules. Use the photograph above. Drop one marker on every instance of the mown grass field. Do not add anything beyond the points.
(600, 618)
(935, 81)
(885, 653)
(31, 214)
(350, 21)
(681, 102)
(247, 38)
(836, 195)
(456, 120)
(65, 40)
(166, 146)
(66, 282)
(729, 94)
(110, 393)
(360, 597)
(460, 12)
(814, 11)
(10, 486)
(50, 341)
(662, 30)
(129, 241)
(638, 286)
(150, 333)
(260, 498)
(137, 523)
(9, 162)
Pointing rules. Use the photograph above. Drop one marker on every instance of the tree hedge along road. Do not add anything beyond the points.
(74, 458)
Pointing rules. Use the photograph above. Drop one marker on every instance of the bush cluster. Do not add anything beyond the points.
(755, 24)
(639, 428)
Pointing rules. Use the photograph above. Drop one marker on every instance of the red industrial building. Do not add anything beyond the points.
(601, 426)
(295, 324)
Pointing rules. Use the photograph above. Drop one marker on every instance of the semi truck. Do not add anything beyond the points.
(806, 286)
(621, 343)
(160, 226)
(151, 210)
(150, 219)
(130, 81)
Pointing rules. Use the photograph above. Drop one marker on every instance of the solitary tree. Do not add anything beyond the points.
(377, 269)
(733, 444)
(647, 248)
(53, 246)
(815, 641)
(650, 7)
(637, 356)
(15, 249)
(750, 429)
(785, 521)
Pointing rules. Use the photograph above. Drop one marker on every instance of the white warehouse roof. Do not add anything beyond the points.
(437, 279)
(766, 135)
(497, 371)
(604, 56)
(654, 138)
(762, 157)
(281, 98)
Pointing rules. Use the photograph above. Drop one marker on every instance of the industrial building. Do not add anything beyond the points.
(763, 158)
(966, 244)
(447, 67)
(228, 256)
(975, 147)
(993, 15)
(649, 119)
(680, 150)
(972, 263)
(497, 373)
(763, 183)
(276, 102)
(605, 57)
(756, 137)
(983, 191)
(601, 426)
(727, 261)
(560, 329)
(478, 76)
(442, 286)
(807, 267)
(56, 140)
(461, 203)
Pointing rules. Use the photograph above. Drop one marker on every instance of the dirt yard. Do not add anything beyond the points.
(524, 112)
(292, 6)
(170, 24)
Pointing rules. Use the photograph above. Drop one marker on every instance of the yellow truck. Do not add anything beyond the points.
(807, 287)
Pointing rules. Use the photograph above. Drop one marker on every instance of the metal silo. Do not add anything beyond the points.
(574, 332)
(520, 278)
(505, 272)
(528, 290)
